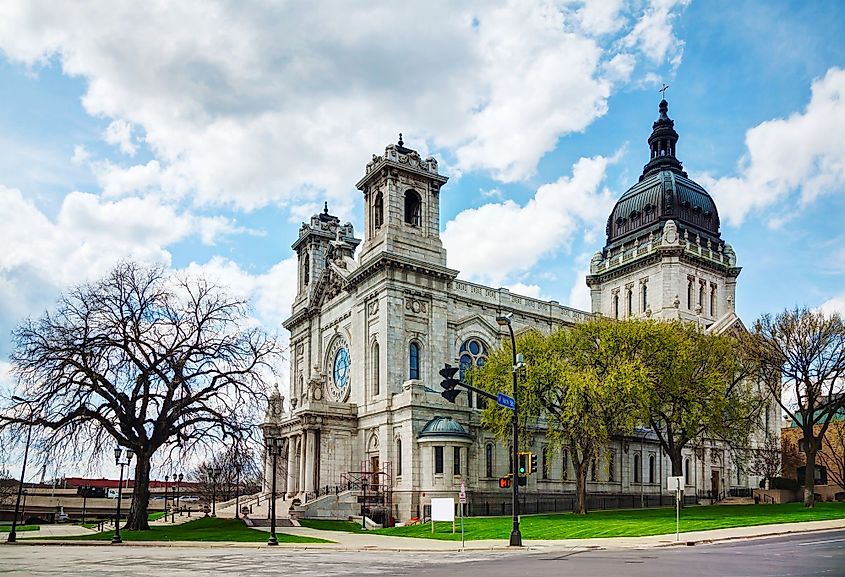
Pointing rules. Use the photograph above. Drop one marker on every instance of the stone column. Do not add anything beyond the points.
(291, 476)
(302, 448)
(282, 478)
(310, 461)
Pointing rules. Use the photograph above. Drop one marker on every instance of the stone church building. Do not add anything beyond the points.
(375, 318)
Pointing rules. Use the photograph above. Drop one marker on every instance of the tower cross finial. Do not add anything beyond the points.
(663, 90)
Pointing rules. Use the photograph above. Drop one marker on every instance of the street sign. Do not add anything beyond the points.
(463, 496)
(674, 483)
(506, 401)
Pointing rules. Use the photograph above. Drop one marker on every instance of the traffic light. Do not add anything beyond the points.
(449, 383)
(505, 482)
(533, 463)
(522, 468)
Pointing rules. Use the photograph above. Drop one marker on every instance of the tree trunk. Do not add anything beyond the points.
(677, 460)
(581, 487)
(138, 519)
(810, 474)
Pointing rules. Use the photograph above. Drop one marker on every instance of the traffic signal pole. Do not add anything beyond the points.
(516, 535)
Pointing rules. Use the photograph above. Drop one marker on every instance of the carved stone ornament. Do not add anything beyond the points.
(415, 306)
(670, 232)
(372, 307)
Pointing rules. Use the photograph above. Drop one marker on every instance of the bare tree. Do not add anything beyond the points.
(225, 471)
(832, 454)
(766, 459)
(146, 359)
(802, 358)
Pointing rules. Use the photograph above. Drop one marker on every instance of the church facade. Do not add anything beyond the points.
(375, 318)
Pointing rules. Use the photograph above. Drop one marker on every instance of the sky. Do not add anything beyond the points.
(200, 134)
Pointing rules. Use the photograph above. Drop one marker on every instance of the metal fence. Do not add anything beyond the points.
(485, 505)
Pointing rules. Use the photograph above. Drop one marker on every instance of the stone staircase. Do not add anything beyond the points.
(736, 501)
(259, 515)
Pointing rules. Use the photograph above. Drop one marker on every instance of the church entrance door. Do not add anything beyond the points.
(715, 483)
(374, 469)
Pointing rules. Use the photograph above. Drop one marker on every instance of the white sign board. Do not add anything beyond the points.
(463, 496)
(443, 509)
(675, 483)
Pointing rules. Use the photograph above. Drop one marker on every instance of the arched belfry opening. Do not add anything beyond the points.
(413, 207)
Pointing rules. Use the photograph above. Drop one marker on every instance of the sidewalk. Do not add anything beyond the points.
(369, 542)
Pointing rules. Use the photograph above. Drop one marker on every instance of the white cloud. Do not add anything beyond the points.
(86, 238)
(283, 102)
(496, 241)
(653, 34)
(834, 305)
(579, 294)
(80, 155)
(119, 133)
(801, 154)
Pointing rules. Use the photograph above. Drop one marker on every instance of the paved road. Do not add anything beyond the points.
(814, 554)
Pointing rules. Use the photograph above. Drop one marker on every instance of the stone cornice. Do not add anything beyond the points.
(390, 260)
(385, 163)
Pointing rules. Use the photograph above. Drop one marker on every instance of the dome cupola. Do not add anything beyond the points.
(664, 192)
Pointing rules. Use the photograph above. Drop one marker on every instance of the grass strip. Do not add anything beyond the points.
(331, 525)
(202, 529)
(8, 528)
(624, 523)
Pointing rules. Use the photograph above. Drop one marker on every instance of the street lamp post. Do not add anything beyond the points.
(215, 471)
(237, 490)
(516, 535)
(274, 447)
(127, 458)
(178, 482)
(166, 478)
(13, 534)
(23, 506)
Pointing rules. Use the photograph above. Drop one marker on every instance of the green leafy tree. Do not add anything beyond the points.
(581, 383)
(699, 385)
(802, 358)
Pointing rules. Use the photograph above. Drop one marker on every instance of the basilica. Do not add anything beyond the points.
(376, 317)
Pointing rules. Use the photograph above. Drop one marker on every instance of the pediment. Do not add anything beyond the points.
(729, 323)
(330, 284)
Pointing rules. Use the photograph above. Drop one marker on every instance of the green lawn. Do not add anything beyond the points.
(8, 528)
(329, 525)
(627, 523)
(155, 516)
(202, 529)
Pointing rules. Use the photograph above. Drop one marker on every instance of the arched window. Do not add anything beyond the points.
(701, 296)
(398, 457)
(712, 301)
(375, 369)
(651, 468)
(689, 295)
(473, 353)
(545, 464)
(686, 473)
(637, 468)
(488, 460)
(630, 298)
(616, 306)
(413, 208)
(611, 466)
(645, 296)
(594, 475)
(414, 361)
(378, 210)
(306, 271)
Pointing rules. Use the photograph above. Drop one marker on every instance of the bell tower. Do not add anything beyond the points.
(402, 206)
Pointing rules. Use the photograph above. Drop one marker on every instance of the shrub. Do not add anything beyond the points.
(783, 483)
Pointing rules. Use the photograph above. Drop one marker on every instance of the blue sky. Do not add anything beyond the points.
(201, 134)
